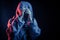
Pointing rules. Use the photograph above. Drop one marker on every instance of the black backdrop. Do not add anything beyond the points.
(43, 12)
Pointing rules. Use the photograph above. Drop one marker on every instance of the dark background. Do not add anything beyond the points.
(43, 12)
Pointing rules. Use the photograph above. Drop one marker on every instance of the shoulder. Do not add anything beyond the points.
(11, 21)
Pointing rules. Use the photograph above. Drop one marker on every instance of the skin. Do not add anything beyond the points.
(33, 29)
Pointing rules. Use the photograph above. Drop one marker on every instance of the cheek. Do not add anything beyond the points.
(19, 12)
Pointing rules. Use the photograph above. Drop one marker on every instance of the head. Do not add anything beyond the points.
(24, 10)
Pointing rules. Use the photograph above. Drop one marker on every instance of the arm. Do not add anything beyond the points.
(35, 30)
(9, 30)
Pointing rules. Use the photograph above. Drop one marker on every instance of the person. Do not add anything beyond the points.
(23, 26)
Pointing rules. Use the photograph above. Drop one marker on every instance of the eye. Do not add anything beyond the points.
(28, 7)
(21, 5)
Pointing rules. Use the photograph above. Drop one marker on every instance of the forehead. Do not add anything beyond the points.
(24, 5)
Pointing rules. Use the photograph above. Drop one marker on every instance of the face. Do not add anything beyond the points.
(24, 12)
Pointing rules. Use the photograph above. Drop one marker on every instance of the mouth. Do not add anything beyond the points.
(26, 16)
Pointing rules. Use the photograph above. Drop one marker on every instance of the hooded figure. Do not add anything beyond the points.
(23, 25)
